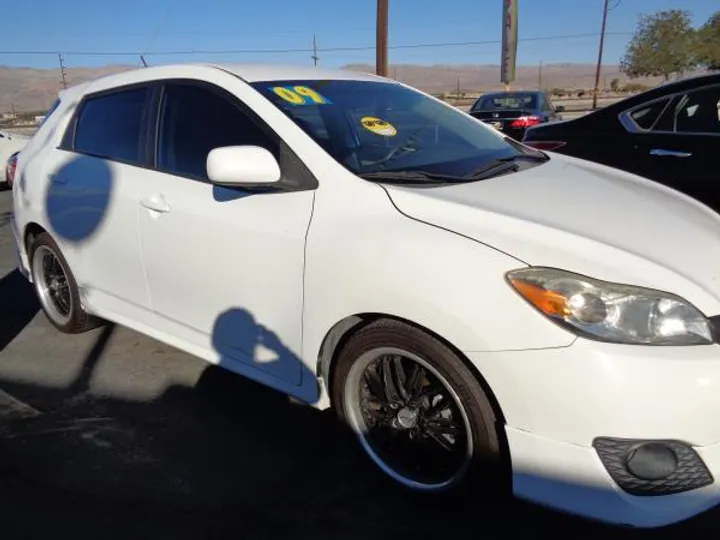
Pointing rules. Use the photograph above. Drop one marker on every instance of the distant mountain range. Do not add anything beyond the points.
(25, 89)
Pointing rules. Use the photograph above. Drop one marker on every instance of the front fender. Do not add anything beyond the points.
(380, 261)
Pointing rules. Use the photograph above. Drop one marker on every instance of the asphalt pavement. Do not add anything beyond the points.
(111, 434)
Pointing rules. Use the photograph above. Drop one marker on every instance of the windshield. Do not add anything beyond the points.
(507, 101)
(372, 127)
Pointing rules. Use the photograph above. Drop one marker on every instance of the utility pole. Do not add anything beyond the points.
(540, 76)
(315, 56)
(381, 46)
(600, 53)
(62, 70)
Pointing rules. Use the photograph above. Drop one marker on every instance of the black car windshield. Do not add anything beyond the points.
(380, 127)
(507, 101)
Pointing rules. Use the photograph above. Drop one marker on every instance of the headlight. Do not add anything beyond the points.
(610, 311)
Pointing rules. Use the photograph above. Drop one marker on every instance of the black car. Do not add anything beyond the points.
(514, 112)
(670, 134)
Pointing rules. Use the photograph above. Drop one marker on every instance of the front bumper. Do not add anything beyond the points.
(561, 405)
(573, 479)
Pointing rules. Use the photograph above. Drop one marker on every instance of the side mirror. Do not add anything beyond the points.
(242, 166)
(560, 108)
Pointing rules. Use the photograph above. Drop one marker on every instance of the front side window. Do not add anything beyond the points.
(699, 111)
(110, 125)
(195, 120)
(379, 127)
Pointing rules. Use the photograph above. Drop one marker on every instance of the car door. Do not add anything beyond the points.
(626, 144)
(224, 266)
(91, 200)
(680, 149)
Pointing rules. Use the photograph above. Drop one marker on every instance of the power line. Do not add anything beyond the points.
(158, 28)
(307, 50)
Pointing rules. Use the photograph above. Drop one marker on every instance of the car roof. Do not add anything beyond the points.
(661, 91)
(511, 92)
(270, 72)
(247, 72)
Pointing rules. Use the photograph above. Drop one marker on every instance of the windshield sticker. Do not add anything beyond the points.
(300, 95)
(378, 126)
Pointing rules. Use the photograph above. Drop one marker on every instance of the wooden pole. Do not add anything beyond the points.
(381, 47)
(600, 53)
(315, 54)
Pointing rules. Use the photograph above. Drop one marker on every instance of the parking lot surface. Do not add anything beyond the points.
(110, 434)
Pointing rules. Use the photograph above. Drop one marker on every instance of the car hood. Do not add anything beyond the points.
(587, 218)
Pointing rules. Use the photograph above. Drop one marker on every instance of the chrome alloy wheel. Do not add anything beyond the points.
(52, 285)
(409, 419)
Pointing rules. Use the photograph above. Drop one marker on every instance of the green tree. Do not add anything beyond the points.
(615, 85)
(663, 44)
(708, 43)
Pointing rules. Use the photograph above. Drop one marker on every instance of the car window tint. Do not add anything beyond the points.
(699, 112)
(195, 120)
(110, 125)
(646, 115)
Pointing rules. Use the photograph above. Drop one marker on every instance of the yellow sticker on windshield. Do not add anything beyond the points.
(378, 126)
(300, 95)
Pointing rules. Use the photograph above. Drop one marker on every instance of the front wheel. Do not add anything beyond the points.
(420, 414)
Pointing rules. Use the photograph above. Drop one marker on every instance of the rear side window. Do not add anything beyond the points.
(645, 116)
(110, 126)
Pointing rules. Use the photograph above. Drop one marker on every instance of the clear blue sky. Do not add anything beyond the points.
(77, 26)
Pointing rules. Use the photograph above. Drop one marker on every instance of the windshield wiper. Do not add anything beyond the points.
(503, 165)
(495, 167)
(411, 177)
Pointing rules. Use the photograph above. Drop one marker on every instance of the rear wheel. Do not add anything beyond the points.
(420, 414)
(56, 287)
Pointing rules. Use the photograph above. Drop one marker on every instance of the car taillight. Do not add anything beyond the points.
(10, 170)
(544, 145)
(525, 121)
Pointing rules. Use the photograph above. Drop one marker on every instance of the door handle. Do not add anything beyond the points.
(156, 204)
(672, 153)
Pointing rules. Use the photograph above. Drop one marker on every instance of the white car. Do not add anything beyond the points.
(483, 316)
(10, 144)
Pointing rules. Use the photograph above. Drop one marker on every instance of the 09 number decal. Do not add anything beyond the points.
(300, 95)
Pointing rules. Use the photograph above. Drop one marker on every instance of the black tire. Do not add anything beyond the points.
(78, 320)
(488, 471)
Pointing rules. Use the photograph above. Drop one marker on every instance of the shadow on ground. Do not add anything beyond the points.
(18, 306)
(225, 457)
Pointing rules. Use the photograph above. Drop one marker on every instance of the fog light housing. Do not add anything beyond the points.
(647, 468)
(651, 461)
